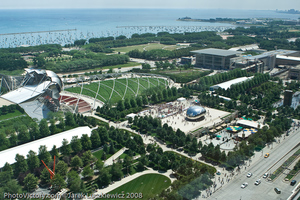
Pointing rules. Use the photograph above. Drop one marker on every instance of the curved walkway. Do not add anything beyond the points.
(127, 179)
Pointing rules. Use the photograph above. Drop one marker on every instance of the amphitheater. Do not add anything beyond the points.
(42, 91)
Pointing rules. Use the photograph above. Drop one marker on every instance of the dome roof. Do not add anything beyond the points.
(195, 111)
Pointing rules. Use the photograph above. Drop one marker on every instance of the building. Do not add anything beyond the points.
(214, 58)
(294, 73)
(228, 84)
(195, 113)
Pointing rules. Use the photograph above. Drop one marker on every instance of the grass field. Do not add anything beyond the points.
(11, 115)
(147, 47)
(147, 186)
(123, 88)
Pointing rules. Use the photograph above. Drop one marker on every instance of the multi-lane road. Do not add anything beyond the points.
(260, 165)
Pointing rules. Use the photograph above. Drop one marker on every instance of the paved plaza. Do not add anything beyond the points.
(174, 114)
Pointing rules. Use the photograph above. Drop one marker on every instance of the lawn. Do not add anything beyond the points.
(147, 47)
(135, 85)
(11, 115)
(145, 186)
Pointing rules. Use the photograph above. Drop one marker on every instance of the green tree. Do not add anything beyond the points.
(45, 177)
(66, 148)
(34, 131)
(52, 128)
(86, 142)
(70, 121)
(44, 154)
(30, 182)
(12, 187)
(54, 152)
(32, 160)
(58, 183)
(7, 168)
(95, 139)
(44, 129)
(76, 144)
(74, 181)
(23, 134)
(87, 157)
(61, 168)
(76, 162)
(112, 149)
(145, 100)
(104, 178)
(20, 165)
(87, 172)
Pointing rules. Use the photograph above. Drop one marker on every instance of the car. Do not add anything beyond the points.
(244, 185)
(249, 174)
(277, 190)
(265, 175)
(267, 155)
(257, 182)
(293, 182)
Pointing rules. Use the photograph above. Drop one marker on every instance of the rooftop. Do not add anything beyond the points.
(227, 84)
(218, 52)
(10, 154)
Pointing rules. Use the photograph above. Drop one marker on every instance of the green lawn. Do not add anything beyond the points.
(11, 115)
(135, 85)
(146, 186)
(147, 47)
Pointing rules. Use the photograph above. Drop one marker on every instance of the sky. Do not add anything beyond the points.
(196, 4)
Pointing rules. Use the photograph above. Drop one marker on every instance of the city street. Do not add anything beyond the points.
(258, 167)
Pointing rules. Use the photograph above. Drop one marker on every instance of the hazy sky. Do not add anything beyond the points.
(197, 4)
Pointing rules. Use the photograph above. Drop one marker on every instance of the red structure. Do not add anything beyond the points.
(52, 173)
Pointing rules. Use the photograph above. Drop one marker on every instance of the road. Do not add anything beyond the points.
(260, 165)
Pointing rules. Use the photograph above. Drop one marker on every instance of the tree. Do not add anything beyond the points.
(127, 104)
(105, 148)
(99, 165)
(45, 177)
(4, 142)
(76, 144)
(120, 105)
(30, 182)
(104, 178)
(32, 160)
(112, 149)
(23, 134)
(74, 181)
(76, 162)
(54, 152)
(86, 142)
(116, 172)
(20, 165)
(58, 183)
(87, 157)
(44, 129)
(70, 121)
(145, 100)
(52, 128)
(44, 154)
(12, 187)
(61, 168)
(87, 172)
(7, 168)
(95, 139)
(66, 148)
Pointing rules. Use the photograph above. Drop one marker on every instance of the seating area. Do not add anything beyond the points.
(83, 106)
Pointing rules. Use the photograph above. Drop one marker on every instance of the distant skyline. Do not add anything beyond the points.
(166, 4)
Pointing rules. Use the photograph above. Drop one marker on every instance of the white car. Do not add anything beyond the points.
(249, 174)
(257, 182)
(265, 175)
(244, 185)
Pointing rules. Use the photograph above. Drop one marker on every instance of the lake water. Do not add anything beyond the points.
(109, 22)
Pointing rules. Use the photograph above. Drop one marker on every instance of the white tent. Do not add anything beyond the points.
(181, 99)
(132, 115)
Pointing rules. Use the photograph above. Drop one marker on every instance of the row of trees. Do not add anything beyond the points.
(26, 132)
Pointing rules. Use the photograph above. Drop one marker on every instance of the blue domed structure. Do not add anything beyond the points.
(195, 113)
